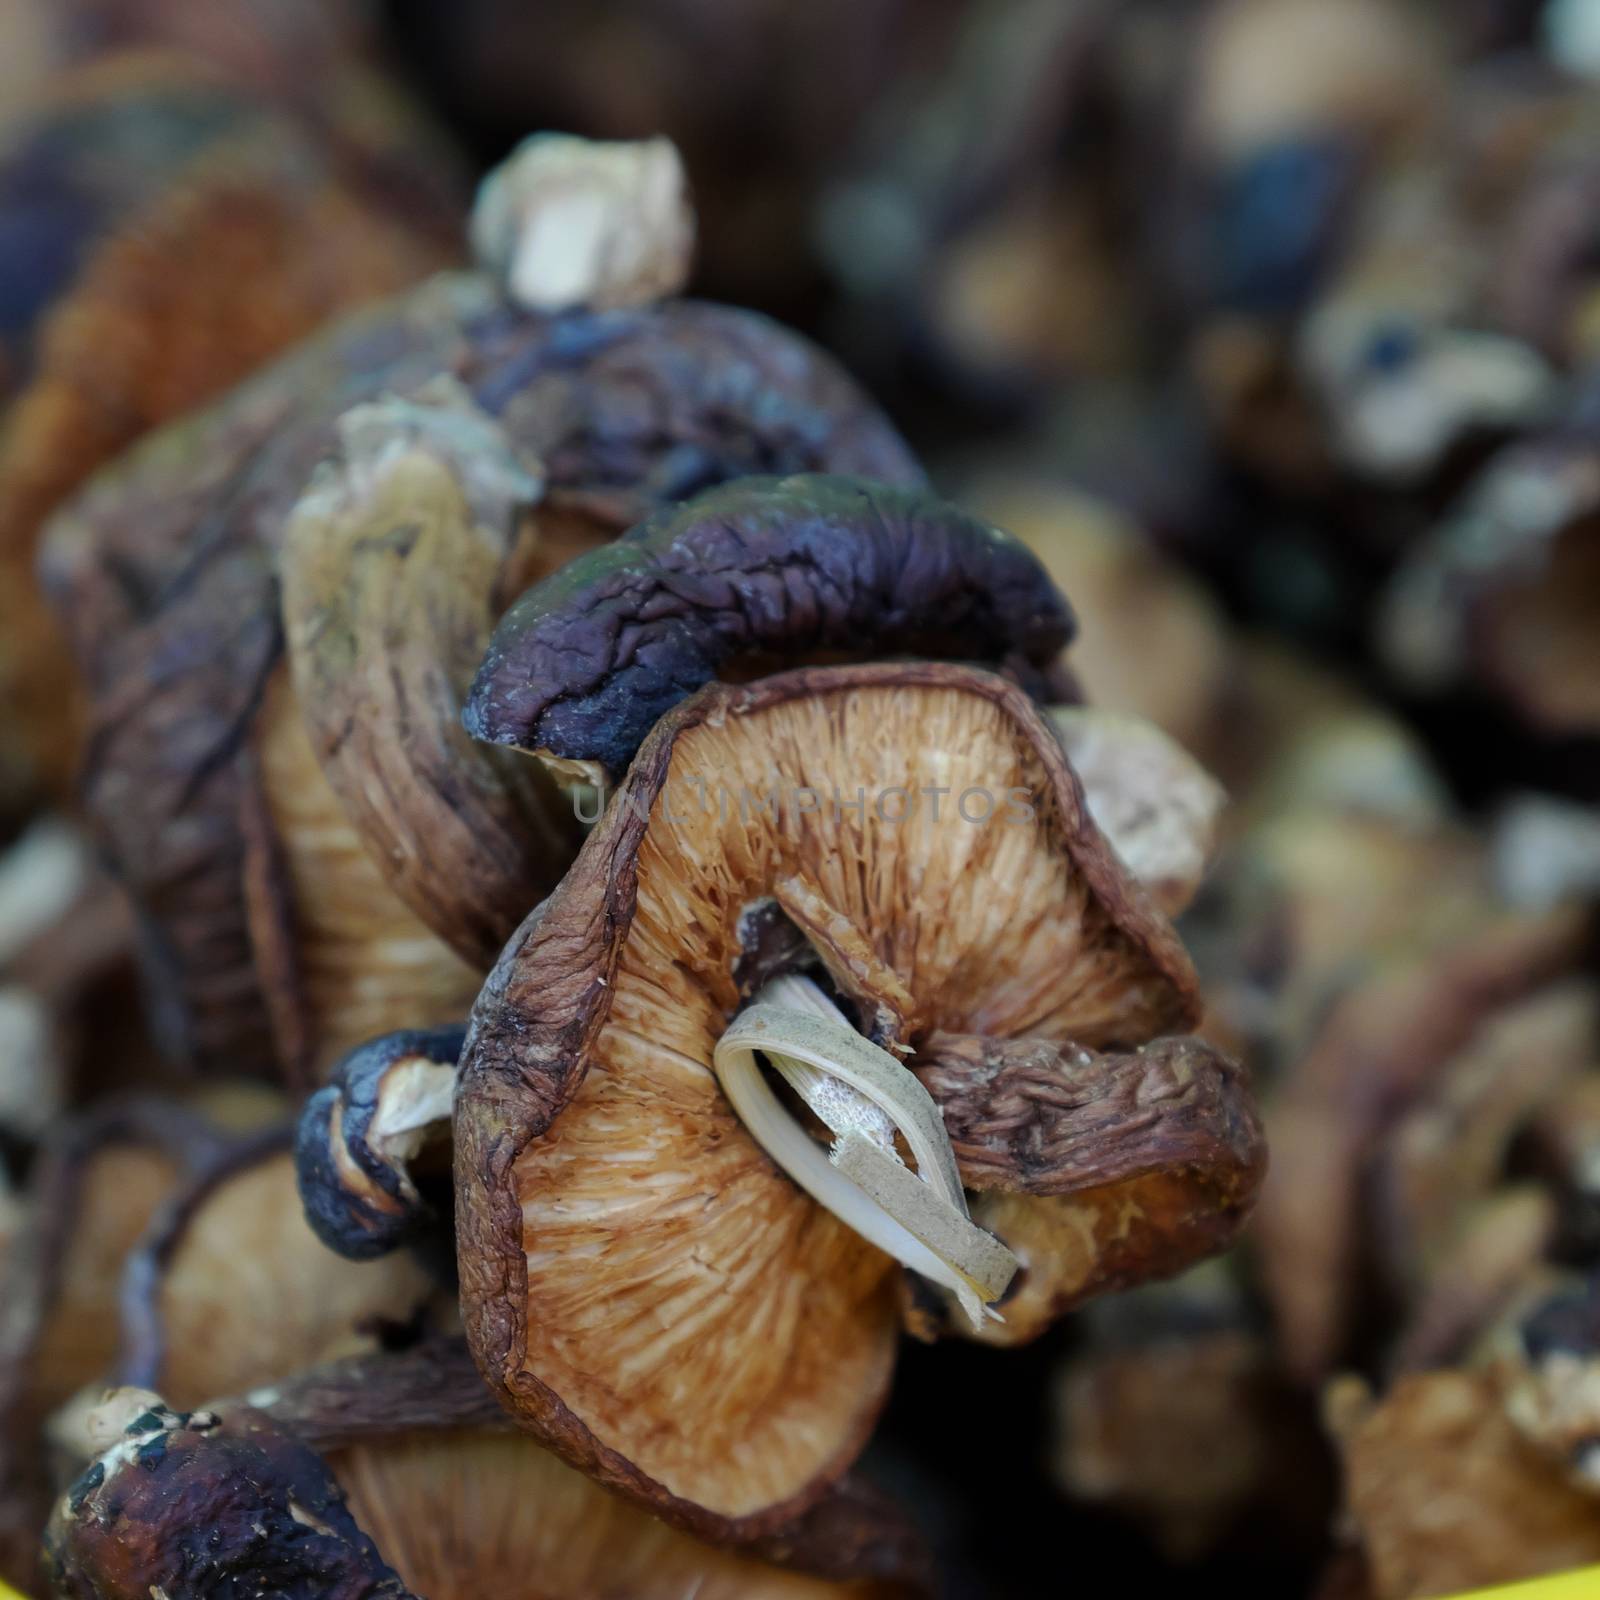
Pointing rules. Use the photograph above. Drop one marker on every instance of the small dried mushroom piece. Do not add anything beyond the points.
(642, 1287)
(229, 1289)
(1444, 1493)
(360, 1133)
(584, 663)
(1159, 809)
(573, 222)
(1553, 1387)
(1502, 596)
(260, 899)
(191, 1503)
(1100, 1170)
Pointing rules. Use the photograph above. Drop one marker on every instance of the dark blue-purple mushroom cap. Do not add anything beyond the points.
(585, 663)
(351, 1144)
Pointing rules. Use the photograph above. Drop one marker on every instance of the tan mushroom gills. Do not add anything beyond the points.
(864, 1096)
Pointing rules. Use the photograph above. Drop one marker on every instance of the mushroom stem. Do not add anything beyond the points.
(864, 1096)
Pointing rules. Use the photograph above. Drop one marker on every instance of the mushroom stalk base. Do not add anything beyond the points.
(864, 1096)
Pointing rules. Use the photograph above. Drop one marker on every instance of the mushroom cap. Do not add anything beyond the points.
(168, 233)
(1382, 1048)
(584, 663)
(461, 1505)
(164, 569)
(230, 1289)
(1501, 595)
(644, 1289)
(200, 1503)
(1443, 1492)
(356, 1136)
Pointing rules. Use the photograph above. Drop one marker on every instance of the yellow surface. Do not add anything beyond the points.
(1581, 1585)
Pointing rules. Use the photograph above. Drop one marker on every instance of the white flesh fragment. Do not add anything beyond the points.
(864, 1096)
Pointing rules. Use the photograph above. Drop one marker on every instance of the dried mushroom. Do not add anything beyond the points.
(583, 664)
(1121, 588)
(1382, 1052)
(96, 1185)
(1501, 596)
(1553, 1395)
(189, 1503)
(566, 222)
(408, 1462)
(646, 1291)
(169, 233)
(1157, 806)
(360, 1134)
(229, 1289)
(1173, 1412)
(278, 933)
(1444, 1493)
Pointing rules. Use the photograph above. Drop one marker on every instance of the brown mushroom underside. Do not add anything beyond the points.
(463, 1507)
(646, 1290)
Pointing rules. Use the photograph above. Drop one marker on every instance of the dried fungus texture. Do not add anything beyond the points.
(461, 1505)
(389, 566)
(647, 1292)
(1381, 1053)
(230, 1289)
(1146, 1161)
(99, 1181)
(1121, 589)
(582, 665)
(1192, 1434)
(360, 1134)
(1447, 1497)
(166, 574)
(1501, 598)
(207, 1505)
(169, 234)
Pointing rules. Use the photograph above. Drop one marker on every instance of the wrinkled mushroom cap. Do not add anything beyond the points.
(643, 1287)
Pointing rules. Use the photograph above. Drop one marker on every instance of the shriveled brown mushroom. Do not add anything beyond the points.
(171, 231)
(229, 1290)
(1501, 596)
(1444, 1494)
(1381, 1052)
(187, 1502)
(280, 926)
(406, 1465)
(647, 1291)
(360, 1134)
(98, 1182)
